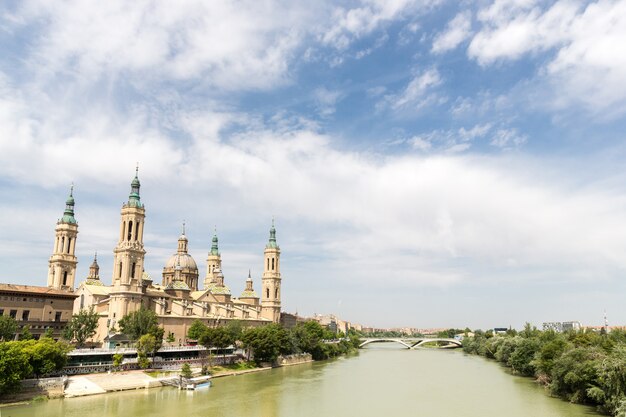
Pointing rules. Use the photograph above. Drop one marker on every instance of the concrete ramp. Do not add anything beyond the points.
(101, 383)
(79, 385)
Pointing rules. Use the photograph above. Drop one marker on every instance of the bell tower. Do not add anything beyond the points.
(128, 255)
(213, 263)
(270, 297)
(62, 263)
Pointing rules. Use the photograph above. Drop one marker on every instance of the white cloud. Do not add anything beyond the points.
(230, 45)
(419, 143)
(418, 92)
(457, 31)
(47, 144)
(348, 24)
(508, 139)
(586, 40)
(510, 32)
(326, 100)
(475, 132)
(452, 140)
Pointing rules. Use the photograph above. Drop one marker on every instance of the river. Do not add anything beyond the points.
(380, 380)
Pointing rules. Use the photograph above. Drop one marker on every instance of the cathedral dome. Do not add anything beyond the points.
(184, 260)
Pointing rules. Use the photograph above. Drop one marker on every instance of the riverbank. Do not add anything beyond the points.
(102, 383)
(579, 366)
(94, 384)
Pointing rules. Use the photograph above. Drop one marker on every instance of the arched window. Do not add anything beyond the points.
(268, 264)
(136, 230)
(272, 264)
(130, 229)
(69, 244)
(62, 244)
(267, 293)
(64, 278)
(132, 271)
(120, 274)
(82, 301)
(276, 293)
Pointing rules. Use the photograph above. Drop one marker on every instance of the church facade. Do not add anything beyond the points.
(178, 299)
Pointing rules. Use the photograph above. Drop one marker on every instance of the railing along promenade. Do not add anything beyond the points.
(94, 351)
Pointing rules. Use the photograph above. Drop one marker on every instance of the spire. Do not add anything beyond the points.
(94, 268)
(272, 241)
(183, 241)
(133, 198)
(249, 291)
(249, 282)
(214, 249)
(68, 214)
(94, 272)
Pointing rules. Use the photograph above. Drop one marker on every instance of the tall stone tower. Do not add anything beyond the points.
(213, 263)
(270, 297)
(62, 269)
(128, 256)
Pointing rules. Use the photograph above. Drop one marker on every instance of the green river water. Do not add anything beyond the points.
(382, 380)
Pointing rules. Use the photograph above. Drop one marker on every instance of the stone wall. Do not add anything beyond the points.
(294, 359)
(31, 388)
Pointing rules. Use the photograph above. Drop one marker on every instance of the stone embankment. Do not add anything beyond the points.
(101, 383)
(32, 388)
(295, 359)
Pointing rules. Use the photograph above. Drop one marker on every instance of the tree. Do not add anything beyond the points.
(82, 326)
(170, 338)
(118, 358)
(8, 328)
(266, 342)
(222, 338)
(196, 330)
(25, 334)
(309, 337)
(46, 356)
(185, 371)
(14, 366)
(521, 359)
(235, 328)
(141, 322)
(574, 372)
(138, 323)
(27, 358)
(215, 337)
(143, 361)
(146, 346)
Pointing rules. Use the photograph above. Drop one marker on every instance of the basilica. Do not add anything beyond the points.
(177, 299)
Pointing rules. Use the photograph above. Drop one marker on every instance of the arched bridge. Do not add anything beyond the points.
(415, 342)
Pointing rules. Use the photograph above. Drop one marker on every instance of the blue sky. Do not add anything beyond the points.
(428, 163)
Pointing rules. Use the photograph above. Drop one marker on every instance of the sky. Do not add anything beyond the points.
(428, 163)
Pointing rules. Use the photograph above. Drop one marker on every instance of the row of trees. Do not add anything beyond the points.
(29, 359)
(266, 343)
(580, 366)
(82, 326)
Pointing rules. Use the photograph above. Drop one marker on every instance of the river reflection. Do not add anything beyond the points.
(379, 380)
